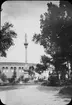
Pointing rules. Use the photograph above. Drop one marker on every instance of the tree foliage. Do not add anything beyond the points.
(40, 68)
(3, 77)
(31, 70)
(13, 78)
(56, 32)
(6, 38)
(45, 59)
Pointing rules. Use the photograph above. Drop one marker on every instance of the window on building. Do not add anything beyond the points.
(14, 68)
(22, 67)
(11, 67)
(6, 67)
(19, 67)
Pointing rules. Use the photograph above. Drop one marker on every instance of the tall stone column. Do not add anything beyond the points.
(26, 45)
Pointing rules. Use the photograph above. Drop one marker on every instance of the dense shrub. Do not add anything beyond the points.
(45, 83)
(26, 79)
(36, 81)
(21, 78)
(40, 80)
(53, 80)
(12, 80)
(3, 77)
(66, 90)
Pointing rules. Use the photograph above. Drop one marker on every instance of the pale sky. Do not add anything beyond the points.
(25, 16)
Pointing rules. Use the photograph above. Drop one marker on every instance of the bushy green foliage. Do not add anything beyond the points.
(31, 70)
(53, 81)
(56, 34)
(26, 80)
(21, 78)
(3, 77)
(40, 68)
(13, 78)
(6, 38)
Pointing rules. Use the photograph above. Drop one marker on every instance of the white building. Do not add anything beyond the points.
(21, 68)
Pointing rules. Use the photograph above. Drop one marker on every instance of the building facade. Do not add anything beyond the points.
(21, 68)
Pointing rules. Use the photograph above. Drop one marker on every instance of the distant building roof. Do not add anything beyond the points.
(16, 63)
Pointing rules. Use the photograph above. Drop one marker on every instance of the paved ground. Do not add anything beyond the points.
(31, 95)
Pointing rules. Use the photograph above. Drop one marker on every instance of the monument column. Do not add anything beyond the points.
(26, 45)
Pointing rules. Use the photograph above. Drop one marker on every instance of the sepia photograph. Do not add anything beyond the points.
(36, 52)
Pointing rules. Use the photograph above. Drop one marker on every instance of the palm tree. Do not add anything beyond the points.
(6, 38)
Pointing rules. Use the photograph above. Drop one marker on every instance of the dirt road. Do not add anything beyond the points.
(31, 95)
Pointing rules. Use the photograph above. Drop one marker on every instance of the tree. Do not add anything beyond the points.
(3, 77)
(21, 78)
(56, 33)
(53, 24)
(31, 70)
(6, 38)
(40, 68)
(66, 3)
(13, 78)
(46, 60)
